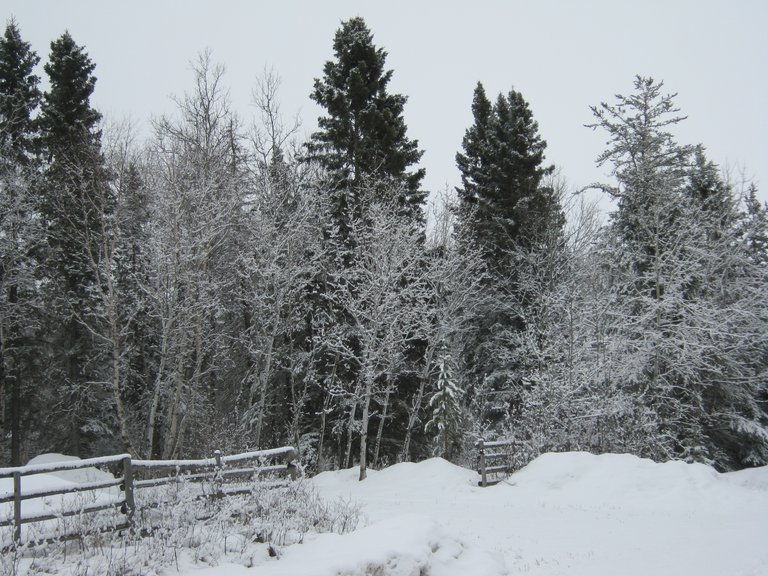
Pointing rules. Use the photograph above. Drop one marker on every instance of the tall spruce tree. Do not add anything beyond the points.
(68, 120)
(72, 143)
(19, 234)
(76, 204)
(19, 95)
(509, 210)
(503, 198)
(362, 139)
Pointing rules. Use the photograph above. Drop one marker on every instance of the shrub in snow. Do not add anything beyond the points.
(186, 523)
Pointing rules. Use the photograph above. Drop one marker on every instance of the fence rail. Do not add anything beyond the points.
(250, 465)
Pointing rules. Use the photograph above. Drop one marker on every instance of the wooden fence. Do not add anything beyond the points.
(131, 475)
(494, 460)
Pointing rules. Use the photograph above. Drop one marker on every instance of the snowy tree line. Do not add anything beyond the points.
(226, 286)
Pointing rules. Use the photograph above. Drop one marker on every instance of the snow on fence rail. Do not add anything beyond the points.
(119, 491)
(494, 465)
(105, 502)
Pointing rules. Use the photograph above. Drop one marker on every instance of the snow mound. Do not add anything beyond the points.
(752, 478)
(437, 474)
(402, 546)
(77, 476)
(618, 477)
(54, 480)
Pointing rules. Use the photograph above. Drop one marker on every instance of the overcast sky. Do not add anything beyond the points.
(563, 56)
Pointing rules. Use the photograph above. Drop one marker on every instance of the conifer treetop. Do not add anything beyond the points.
(67, 115)
(363, 136)
(503, 196)
(19, 92)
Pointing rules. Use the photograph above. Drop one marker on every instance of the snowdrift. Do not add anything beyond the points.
(440, 475)
(616, 476)
(569, 513)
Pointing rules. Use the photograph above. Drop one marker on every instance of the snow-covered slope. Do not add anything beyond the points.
(571, 513)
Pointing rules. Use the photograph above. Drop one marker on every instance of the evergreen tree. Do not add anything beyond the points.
(68, 121)
(367, 161)
(74, 196)
(363, 137)
(510, 210)
(707, 189)
(445, 424)
(131, 339)
(755, 227)
(19, 95)
(19, 232)
(77, 205)
(689, 310)
(649, 165)
(503, 200)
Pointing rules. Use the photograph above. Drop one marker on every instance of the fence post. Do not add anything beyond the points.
(481, 448)
(130, 503)
(218, 479)
(293, 469)
(17, 507)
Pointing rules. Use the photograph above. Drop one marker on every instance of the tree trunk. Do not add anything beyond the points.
(414, 412)
(122, 417)
(169, 440)
(323, 415)
(16, 421)
(195, 383)
(263, 381)
(298, 401)
(380, 432)
(152, 419)
(71, 369)
(9, 382)
(350, 429)
(117, 352)
(364, 429)
(169, 443)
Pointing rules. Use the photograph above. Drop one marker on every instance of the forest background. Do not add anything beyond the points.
(223, 284)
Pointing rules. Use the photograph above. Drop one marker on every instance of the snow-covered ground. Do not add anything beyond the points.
(573, 513)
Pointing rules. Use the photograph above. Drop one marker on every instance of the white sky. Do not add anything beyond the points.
(562, 55)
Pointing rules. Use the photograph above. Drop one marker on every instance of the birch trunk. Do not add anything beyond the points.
(323, 416)
(380, 432)
(416, 406)
(350, 430)
(263, 381)
(364, 428)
